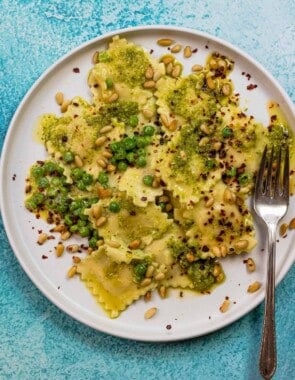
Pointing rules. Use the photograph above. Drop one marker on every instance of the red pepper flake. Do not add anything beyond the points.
(195, 50)
(151, 51)
(168, 327)
(180, 294)
(251, 86)
(76, 70)
(44, 257)
(206, 47)
(14, 177)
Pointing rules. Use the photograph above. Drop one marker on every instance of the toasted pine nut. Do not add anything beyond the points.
(226, 89)
(101, 221)
(59, 98)
(283, 229)
(241, 244)
(149, 84)
(204, 141)
(113, 97)
(169, 68)
(166, 59)
(165, 42)
(145, 282)
(217, 145)
(73, 248)
(106, 154)
(229, 196)
(216, 270)
(197, 67)
(292, 224)
(42, 238)
(150, 312)
(106, 129)
(100, 140)
(250, 265)
(76, 259)
(187, 52)
(147, 113)
(162, 291)
(173, 125)
(65, 235)
(210, 83)
(113, 243)
(176, 71)
(64, 106)
(206, 129)
(59, 228)
(96, 211)
(72, 271)
(149, 271)
(252, 288)
(134, 244)
(225, 306)
(59, 249)
(213, 64)
(110, 168)
(102, 163)
(160, 276)
(164, 120)
(149, 74)
(78, 161)
(176, 48)
(209, 202)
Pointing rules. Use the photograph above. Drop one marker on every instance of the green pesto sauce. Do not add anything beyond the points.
(120, 110)
(191, 100)
(129, 64)
(201, 274)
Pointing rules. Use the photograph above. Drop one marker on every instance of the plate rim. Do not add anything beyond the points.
(9, 136)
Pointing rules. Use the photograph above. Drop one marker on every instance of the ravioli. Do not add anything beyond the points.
(155, 172)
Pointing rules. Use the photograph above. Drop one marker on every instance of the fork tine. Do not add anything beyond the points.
(260, 174)
(269, 175)
(285, 191)
(277, 176)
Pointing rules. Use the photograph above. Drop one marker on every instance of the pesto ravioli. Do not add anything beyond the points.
(154, 172)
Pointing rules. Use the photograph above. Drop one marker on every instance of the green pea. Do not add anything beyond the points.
(227, 132)
(103, 178)
(122, 166)
(51, 192)
(148, 180)
(43, 183)
(84, 231)
(74, 228)
(109, 83)
(133, 120)
(81, 185)
(50, 167)
(149, 130)
(120, 154)
(87, 179)
(68, 157)
(244, 179)
(37, 171)
(139, 270)
(38, 198)
(93, 242)
(77, 173)
(115, 146)
(68, 219)
(141, 152)
(130, 157)
(231, 172)
(142, 141)
(141, 161)
(210, 164)
(114, 207)
(129, 143)
(30, 204)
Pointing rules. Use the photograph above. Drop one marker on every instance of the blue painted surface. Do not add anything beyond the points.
(37, 340)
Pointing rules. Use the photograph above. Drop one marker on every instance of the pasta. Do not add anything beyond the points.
(155, 172)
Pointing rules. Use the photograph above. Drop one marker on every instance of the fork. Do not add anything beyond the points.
(270, 201)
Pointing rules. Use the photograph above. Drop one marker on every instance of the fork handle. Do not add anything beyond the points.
(268, 356)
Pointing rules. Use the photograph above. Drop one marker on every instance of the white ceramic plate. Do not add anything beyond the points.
(178, 317)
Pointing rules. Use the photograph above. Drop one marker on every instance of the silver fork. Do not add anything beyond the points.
(270, 201)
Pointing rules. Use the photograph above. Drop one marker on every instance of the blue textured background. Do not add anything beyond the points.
(37, 341)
